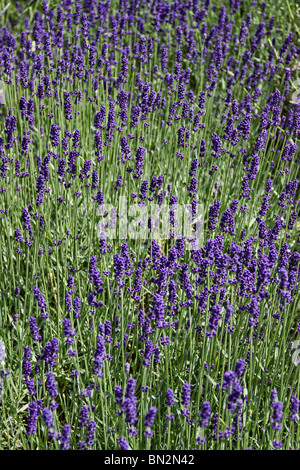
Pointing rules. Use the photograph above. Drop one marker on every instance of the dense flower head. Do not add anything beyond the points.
(51, 385)
(65, 437)
(34, 410)
(186, 394)
(48, 417)
(169, 397)
(149, 419)
(205, 414)
(123, 443)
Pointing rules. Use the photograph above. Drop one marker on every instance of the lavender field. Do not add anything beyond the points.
(120, 329)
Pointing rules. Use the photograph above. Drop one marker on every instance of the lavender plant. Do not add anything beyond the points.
(143, 343)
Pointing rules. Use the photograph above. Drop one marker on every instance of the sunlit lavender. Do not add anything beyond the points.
(140, 341)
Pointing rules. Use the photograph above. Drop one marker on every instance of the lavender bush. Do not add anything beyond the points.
(142, 343)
